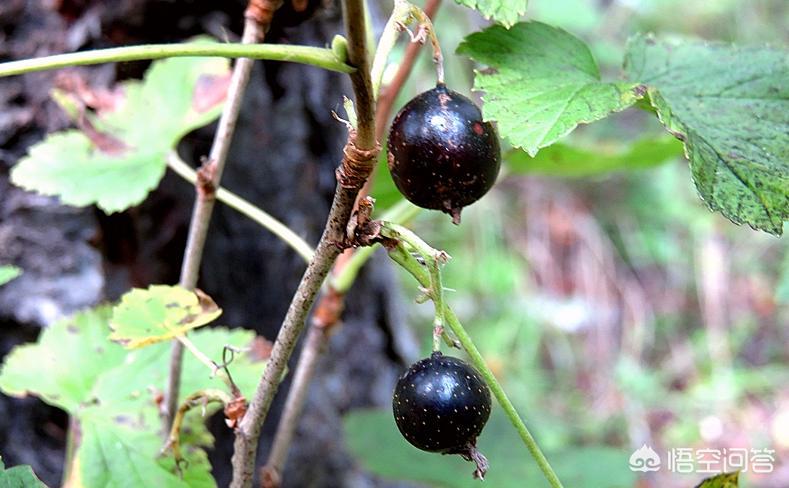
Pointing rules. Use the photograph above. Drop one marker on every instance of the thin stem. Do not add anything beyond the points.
(198, 398)
(403, 14)
(438, 58)
(394, 26)
(437, 293)
(72, 441)
(315, 56)
(264, 219)
(404, 258)
(248, 431)
(204, 203)
(294, 405)
(387, 96)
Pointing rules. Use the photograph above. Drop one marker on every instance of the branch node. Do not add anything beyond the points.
(262, 11)
(234, 411)
(206, 188)
(356, 163)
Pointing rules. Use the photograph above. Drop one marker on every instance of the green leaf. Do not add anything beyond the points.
(374, 440)
(119, 155)
(8, 273)
(505, 12)
(572, 161)
(113, 454)
(541, 83)
(113, 394)
(19, 477)
(65, 363)
(730, 106)
(723, 480)
(160, 313)
(145, 370)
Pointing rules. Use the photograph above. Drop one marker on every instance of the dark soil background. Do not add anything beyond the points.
(283, 159)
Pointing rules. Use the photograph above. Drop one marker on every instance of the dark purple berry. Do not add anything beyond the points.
(441, 404)
(442, 155)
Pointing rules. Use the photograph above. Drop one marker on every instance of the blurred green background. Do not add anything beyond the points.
(616, 309)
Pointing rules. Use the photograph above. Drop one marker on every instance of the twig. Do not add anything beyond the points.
(315, 56)
(360, 153)
(344, 274)
(316, 340)
(198, 398)
(175, 163)
(204, 203)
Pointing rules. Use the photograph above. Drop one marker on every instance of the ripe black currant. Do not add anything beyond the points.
(442, 155)
(441, 404)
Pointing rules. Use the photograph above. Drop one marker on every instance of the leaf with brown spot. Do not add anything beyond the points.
(159, 313)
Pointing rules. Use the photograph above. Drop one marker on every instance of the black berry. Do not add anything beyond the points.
(441, 404)
(442, 155)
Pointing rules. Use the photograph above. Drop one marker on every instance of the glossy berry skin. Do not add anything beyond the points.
(441, 405)
(442, 155)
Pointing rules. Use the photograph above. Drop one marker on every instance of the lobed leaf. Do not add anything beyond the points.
(160, 313)
(64, 365)
(112, 454)
(541, 82)
(114, 394)
(730, 107)
(118, 155)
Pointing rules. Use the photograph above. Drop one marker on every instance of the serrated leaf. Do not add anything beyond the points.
(19, 477)
(541, 83)
(8, 273)
(565, 160)
(160, 313)
(118, 156)
(373, 439)
(65, 363)
(112, 454)
(723, 480)
(505, 12)
(730, 106)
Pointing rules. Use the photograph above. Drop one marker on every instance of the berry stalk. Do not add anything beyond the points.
(403, 257)
(403, 14)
